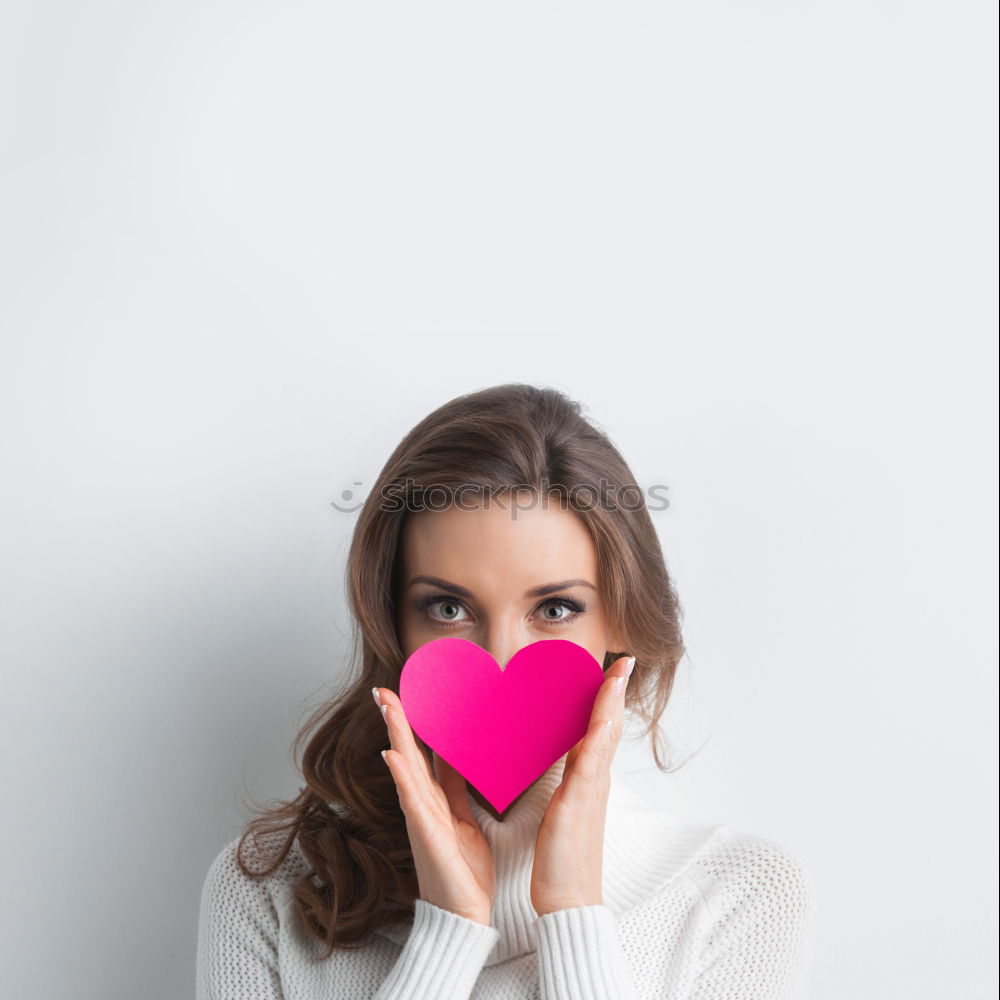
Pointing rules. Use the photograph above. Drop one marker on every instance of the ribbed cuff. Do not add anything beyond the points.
(580, 956)
(442, 957)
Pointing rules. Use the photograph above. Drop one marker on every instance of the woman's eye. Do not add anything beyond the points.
(557, 611)
(450, 610)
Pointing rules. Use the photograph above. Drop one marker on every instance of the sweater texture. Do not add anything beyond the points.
(690, 911)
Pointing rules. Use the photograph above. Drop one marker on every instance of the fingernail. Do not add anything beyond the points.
(618, 685)
(384, 709)
(376, 697)
(629, 666)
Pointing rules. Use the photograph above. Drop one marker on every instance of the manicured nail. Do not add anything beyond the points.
(384, 709)
(619, 682)
(376, 697)
(629, 666)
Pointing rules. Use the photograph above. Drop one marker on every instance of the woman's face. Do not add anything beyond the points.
(501, 581)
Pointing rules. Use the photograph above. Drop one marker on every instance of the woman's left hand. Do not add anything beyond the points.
(569, 849)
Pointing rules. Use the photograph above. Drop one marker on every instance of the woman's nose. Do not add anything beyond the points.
(502, 643)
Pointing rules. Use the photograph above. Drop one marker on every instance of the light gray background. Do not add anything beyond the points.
(246, 246)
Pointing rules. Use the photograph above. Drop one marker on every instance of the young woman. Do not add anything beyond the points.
(504, 517)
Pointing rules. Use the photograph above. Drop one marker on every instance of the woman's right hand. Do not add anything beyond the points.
(453, 860)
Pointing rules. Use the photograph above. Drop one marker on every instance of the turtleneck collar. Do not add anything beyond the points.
(644, 849)
(512, 841)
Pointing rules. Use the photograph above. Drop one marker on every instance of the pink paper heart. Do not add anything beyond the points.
(500, 729)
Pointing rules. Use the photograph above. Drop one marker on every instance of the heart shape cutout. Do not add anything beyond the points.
(500, 729)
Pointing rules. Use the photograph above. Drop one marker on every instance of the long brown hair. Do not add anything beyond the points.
(347, 818)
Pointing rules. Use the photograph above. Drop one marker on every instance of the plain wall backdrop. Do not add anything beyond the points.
(246, 246)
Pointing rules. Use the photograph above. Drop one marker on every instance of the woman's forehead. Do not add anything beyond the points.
(531, 542)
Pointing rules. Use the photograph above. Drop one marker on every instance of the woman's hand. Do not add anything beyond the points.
(453, 859)
(569, 848)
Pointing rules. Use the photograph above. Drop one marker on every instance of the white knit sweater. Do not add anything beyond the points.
(690, 912)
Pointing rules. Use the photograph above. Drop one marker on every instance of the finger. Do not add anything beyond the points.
(608, 704)
(455, 788)
(618, 714)
(401, 740)
(591, 758)
(410, 798)
(601, 710)
(416, 800)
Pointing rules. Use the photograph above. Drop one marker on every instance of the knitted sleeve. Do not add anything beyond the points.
(237, 957)
(580, 956)
(762, 905)
(442, 957)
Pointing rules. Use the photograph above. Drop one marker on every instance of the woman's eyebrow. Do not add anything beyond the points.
(548, 588)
